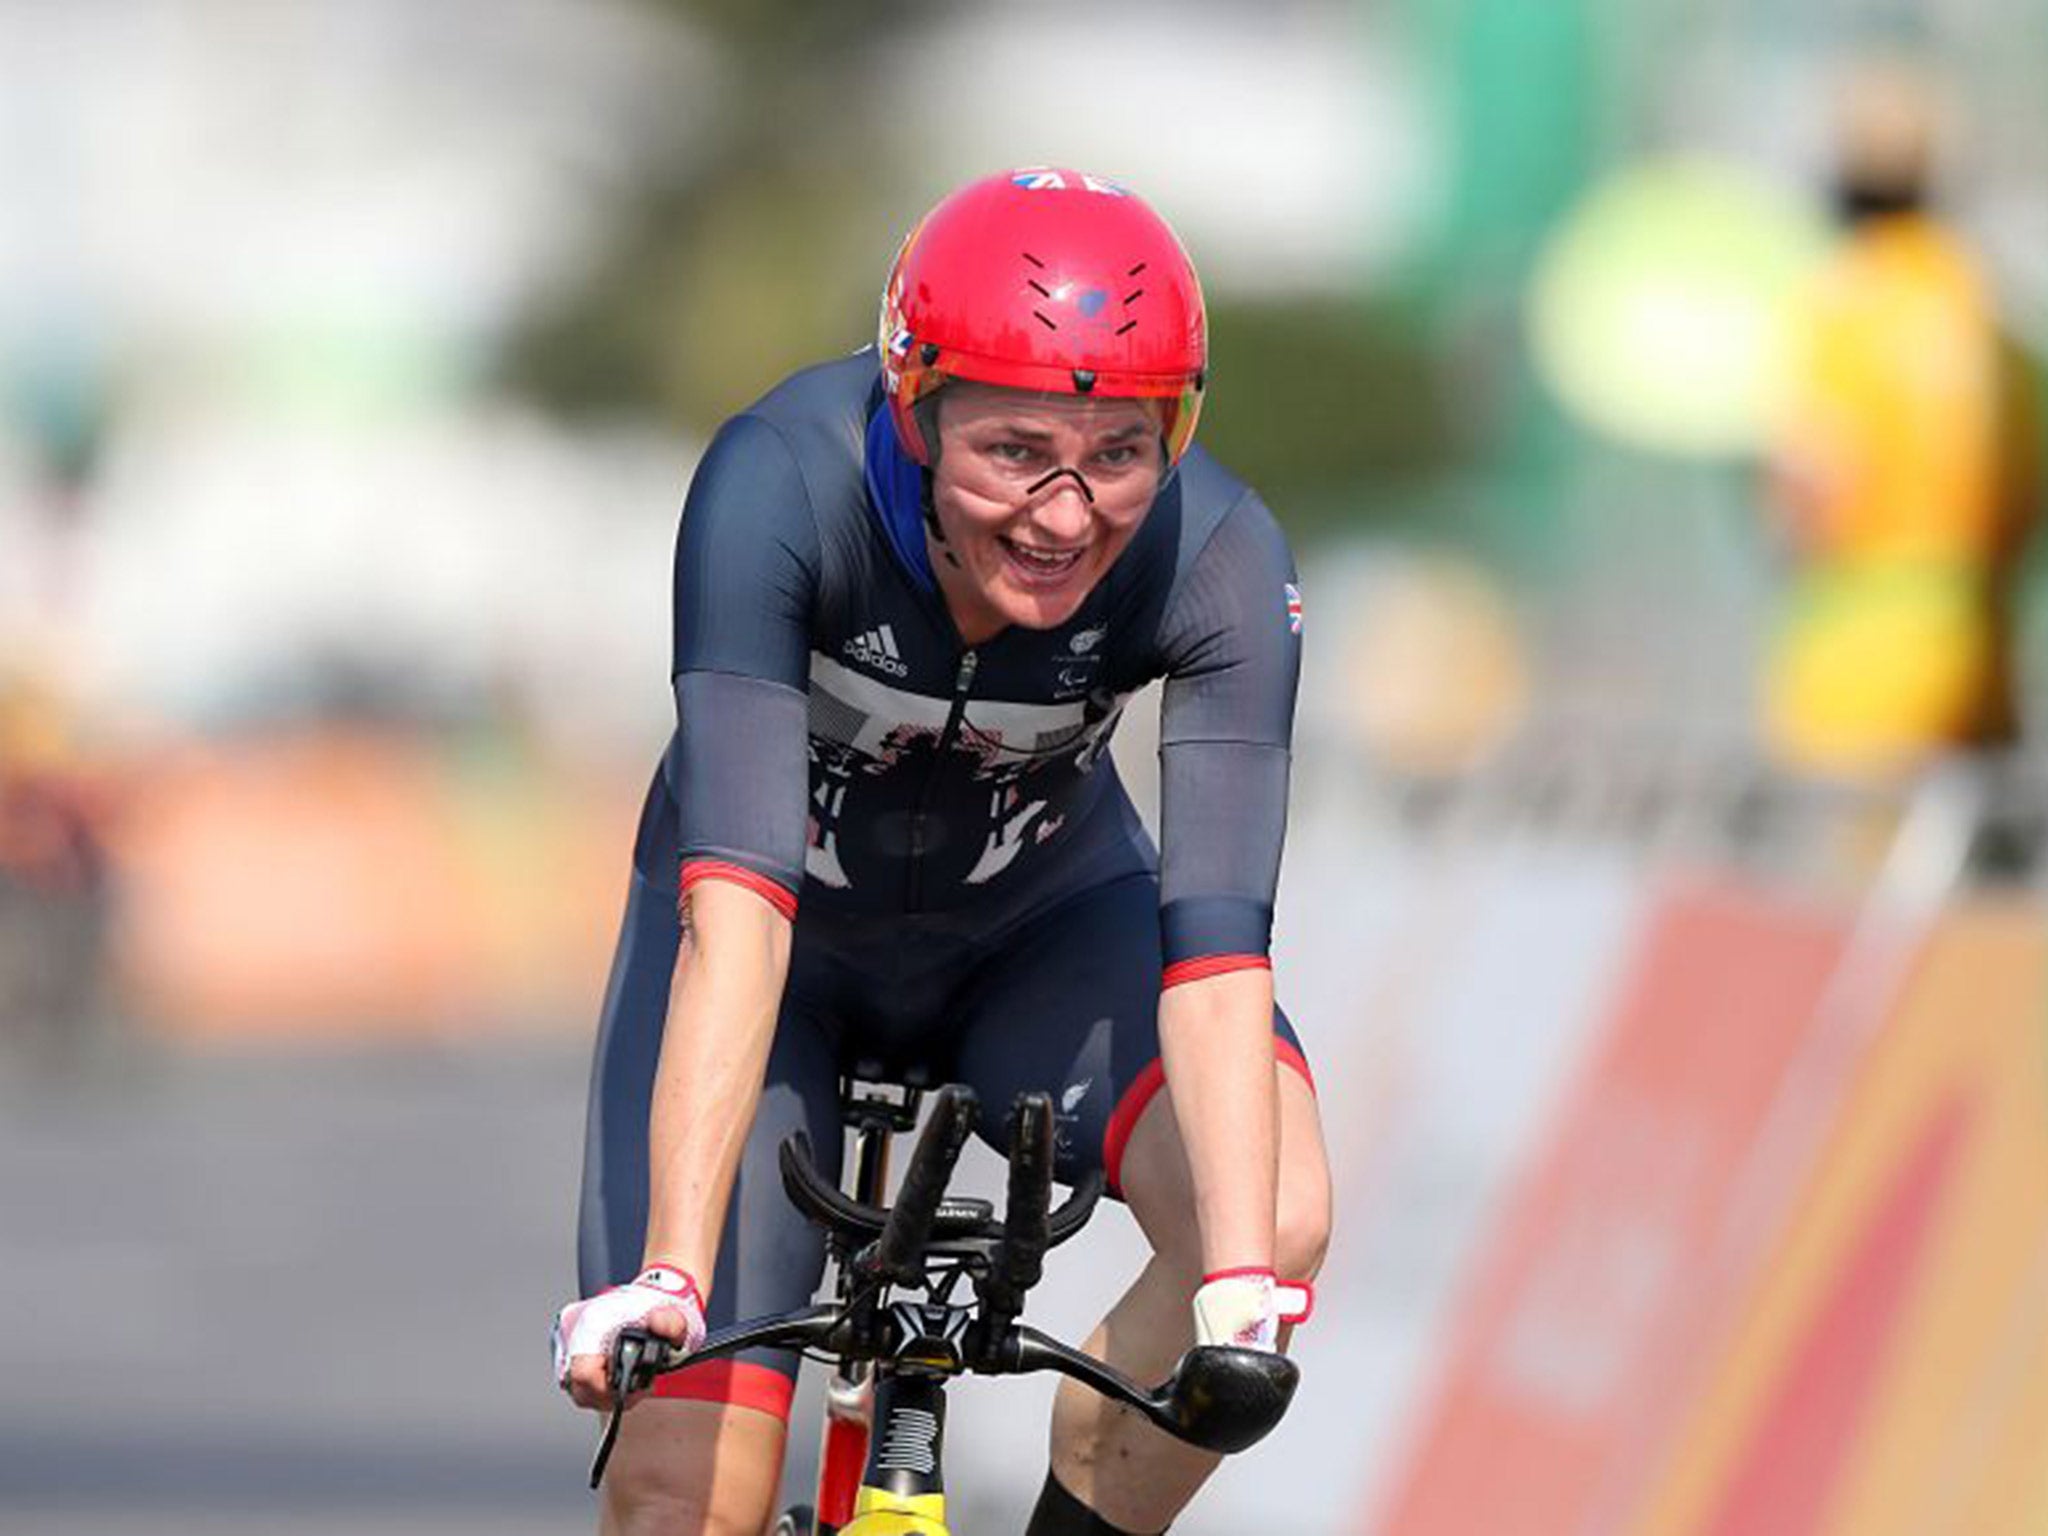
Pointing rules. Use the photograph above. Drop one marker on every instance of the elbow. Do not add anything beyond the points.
(729, 924)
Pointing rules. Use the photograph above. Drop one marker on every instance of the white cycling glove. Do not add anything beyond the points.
(1245, 1307)
(590, 1326)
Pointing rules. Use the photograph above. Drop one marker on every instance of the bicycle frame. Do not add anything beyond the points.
(898, 1489)
(906, 1496)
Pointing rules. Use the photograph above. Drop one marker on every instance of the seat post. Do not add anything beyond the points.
(870, 1161)
(876, 1106)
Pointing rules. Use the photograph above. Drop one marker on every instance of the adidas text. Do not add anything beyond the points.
(877, 649)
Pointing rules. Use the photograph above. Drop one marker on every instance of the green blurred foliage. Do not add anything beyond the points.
(748, 250)
(1316, 400)
(1523, 88)
(706, 297)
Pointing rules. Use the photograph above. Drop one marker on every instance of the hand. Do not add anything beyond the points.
(663, 1301)
(1245, 1308)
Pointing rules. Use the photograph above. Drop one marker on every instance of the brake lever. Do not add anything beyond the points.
(623, 1366)
(1219, 1398)
(637, 1358)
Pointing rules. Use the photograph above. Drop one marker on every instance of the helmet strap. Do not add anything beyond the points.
(927, 413)
(930, 512)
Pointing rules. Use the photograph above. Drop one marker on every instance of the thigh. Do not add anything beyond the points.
(692, 1466)
(1159, 1188)
(1069, 1003)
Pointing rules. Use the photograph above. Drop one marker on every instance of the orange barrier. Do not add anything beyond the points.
(1587, 1299)
(1891, 1375)
(1671, 1336)
(352, 883)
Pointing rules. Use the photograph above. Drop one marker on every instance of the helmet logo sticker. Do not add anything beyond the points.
(1043, 178)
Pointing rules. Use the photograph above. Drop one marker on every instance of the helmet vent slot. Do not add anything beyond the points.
(1134, 295)
(1046, 320)
(1128, 325)
(1136, 270)
(1039, 288)
(1041, 265)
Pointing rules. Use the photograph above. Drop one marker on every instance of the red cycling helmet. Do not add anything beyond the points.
(1045, 279)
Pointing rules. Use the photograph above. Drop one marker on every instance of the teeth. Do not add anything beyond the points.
(1042, 559)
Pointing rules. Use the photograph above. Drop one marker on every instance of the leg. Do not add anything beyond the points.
(1070, 1003)
(1132, 1475)
(706, 1468)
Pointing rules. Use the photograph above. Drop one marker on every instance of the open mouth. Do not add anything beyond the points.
(1041, 565)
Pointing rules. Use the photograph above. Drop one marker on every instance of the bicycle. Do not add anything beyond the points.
(881, 1471)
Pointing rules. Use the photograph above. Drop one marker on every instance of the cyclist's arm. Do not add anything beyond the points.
(721, 1020)
(1216, 1039)
(1233, 657)
(746, 577)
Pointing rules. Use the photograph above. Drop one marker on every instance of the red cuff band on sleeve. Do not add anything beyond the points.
(1211, 965)
(738, 874)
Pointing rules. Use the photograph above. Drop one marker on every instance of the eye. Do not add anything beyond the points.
(1118, 456)
(1011, 452)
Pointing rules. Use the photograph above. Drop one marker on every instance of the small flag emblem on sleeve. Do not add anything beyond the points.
(1293, 608)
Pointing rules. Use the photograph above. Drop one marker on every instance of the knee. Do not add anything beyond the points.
(1301, 1233)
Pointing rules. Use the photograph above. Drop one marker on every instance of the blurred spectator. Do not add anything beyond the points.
(1901, 476)
(54, 890)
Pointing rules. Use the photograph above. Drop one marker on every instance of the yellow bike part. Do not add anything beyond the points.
(878, 1513)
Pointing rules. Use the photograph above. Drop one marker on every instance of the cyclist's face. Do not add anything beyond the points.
(1035, 496)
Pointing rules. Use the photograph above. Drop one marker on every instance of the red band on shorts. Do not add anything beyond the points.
(738, 1382)
(1288, 1056)
(738, 874)
(1202, 968)
(1124, 1119)
(1130, 1109)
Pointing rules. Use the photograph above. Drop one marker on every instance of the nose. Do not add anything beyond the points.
(1063, 505)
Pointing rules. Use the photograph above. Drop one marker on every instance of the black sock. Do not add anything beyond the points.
(1059, 1513)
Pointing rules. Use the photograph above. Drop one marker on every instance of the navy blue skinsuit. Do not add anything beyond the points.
(972, 892)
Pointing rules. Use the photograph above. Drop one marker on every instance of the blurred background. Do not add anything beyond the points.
(1648, 389)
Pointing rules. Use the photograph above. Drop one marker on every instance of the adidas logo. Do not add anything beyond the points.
(877, 648)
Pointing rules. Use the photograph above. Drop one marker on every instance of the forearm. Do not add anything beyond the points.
(1216, 1037)
(721, 1021)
